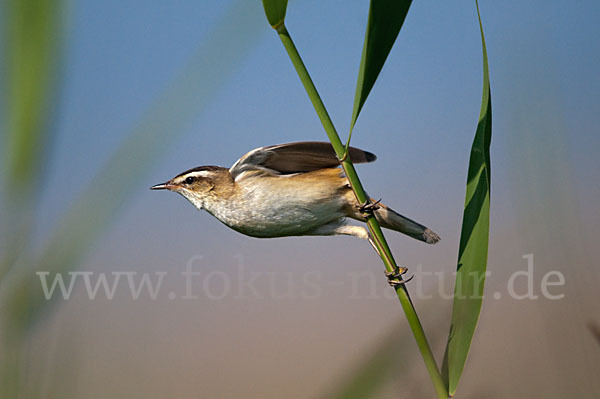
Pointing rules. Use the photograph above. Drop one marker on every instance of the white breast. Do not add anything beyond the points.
(286, 211)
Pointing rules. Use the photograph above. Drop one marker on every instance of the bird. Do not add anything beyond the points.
(291, 189)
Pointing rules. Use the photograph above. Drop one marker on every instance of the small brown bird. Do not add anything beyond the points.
(294, 189)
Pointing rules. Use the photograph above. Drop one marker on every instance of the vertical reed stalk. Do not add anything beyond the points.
(361, 196)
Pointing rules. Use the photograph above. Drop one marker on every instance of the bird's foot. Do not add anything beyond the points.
(368, 206)
(395, 277)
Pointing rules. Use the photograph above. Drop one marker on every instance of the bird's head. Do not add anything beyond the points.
(199, 185)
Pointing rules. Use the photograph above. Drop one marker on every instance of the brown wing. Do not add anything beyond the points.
(299, 157)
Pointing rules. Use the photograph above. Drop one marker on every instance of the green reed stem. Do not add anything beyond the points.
(361, 196)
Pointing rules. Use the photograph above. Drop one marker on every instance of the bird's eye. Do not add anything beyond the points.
(190, 180)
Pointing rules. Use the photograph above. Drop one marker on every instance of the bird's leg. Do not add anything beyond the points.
(368, 206)
(394, 277)
(373, 245)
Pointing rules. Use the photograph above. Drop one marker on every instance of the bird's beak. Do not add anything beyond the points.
(163, 186)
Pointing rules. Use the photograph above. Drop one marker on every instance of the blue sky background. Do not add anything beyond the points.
(230, 88)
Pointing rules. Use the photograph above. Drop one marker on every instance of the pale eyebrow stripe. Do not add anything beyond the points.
(199, 169)
(201, 173)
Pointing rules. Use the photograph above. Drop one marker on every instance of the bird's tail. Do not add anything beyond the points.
(391, 219)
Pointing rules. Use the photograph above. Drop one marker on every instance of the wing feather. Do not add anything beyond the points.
(299, 157)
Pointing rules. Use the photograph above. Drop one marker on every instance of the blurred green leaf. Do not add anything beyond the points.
(125, 172)
(385, 20)
(32, 44)
(473, 250)
(21, 300)
(387, 362)
(275, 10)
(369, 376)
(31, 48)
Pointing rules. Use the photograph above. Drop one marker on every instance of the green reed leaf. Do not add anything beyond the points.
(385, 20)
(473, 249)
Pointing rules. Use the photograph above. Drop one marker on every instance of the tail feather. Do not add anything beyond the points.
(390, 219)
